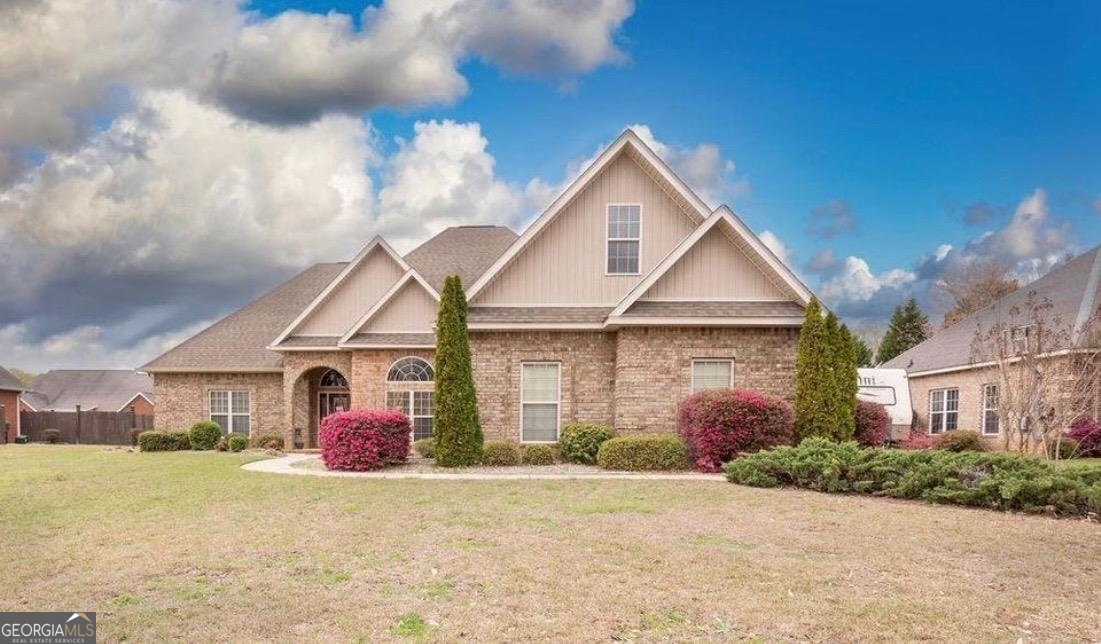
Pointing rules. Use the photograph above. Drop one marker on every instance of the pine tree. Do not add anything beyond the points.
(809, 365)
(456, 431)
(825, 377)
(909, 327)
(865, 357)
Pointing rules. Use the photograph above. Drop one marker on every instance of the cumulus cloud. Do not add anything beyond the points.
(854, 281)
(702, 167)
(831, 219)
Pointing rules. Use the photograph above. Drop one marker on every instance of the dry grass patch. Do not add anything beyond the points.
(165, 544)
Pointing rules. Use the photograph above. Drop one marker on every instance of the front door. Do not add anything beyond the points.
(329, 402)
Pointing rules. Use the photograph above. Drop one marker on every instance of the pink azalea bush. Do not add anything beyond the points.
(364, 439)
(719, 424)
(872, 423)
(1087, 433)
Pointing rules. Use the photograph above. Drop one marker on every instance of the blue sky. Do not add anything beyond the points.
(881, 145)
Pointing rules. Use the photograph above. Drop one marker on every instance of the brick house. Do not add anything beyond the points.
(955, 382)
(11, 394)
(620, 299)
(110, 390)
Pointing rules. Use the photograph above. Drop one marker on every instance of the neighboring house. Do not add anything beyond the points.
(626, 295)
(107, 390)
(11, 390)
(955, 387)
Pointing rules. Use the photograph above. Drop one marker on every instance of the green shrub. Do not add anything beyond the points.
(52, 436)
(643, 452)
(538, 455)
(960, 440)
(154, 441)
(204, 435)
(500, 453)
(425, 447)
(222, 445)
(237, 442)
(134, 433)
(268, 441)
(580, 442)
(983, 479)
(1066, 448)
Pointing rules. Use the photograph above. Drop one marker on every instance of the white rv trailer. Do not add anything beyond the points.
(890, 388)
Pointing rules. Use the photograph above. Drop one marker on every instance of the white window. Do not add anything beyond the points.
(539, 401)
(944, 409)
(1020, 338)
(624, 235)
(712, 374)
(411, 369)
(417, 405)
(990, 409)
(231, 410)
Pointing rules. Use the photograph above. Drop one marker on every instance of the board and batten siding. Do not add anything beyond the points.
(566, 263)
(714, 268)
(410, 310)
(375, 275)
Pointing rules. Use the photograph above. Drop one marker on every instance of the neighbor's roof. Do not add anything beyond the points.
(466, 251)
(1072, 290)
(8, 382)
(238, 342)
(102, 389)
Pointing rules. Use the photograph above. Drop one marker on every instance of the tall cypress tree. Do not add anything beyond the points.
(908, 327)
(456, 431)
(845, 379)
(809, 363)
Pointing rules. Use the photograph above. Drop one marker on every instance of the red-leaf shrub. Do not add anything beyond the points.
(718, 424)
(872, 423)
(1087, 433)
(364, 439)
(918, 439)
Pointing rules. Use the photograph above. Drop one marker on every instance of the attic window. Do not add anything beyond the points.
(624, 238)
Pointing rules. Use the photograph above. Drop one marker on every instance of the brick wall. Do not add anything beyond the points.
(654, 368)
(10, 416)
(184, 398)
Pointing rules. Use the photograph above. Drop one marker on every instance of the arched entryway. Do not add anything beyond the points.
(317, 393)
(410, 387)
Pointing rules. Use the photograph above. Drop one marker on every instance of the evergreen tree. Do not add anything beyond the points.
(845, 379)
(825, 377)
(865, 357)
(909, 327)
(809, 369)
(456, 431)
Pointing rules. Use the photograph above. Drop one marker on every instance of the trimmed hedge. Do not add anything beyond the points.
(364, 439)
(538, 455)
(719, 424)
(154, 441)
(500, 453)
(872, 424)
(998, 481)
(1086, 432)
(643, 452)
(237, 442)
(426, 447)
(204, 435)
(960, 440)
(579, 442)
(268, 441)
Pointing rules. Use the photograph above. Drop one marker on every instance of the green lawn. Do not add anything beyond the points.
(187, 546)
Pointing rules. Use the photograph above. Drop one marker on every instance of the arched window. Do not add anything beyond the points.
(332, 378)
(410, 370)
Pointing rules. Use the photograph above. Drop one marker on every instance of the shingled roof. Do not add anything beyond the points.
(8, 382)
(466, 251)
(101, 389)
(238, 342)
(1072, 290)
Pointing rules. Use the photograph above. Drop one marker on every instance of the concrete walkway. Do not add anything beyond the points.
(287, 465)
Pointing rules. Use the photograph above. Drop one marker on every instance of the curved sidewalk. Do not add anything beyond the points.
(286, 465)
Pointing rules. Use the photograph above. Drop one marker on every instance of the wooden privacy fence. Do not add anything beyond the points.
(88, 427)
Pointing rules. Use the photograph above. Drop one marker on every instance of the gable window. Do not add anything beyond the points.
(410, 370)
(712, 374)
(539, 401)
(231, 410)
(990, 409)
(624, 239)
(1020, 339)
(944, 410)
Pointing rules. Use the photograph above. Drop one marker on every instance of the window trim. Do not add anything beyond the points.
(944, 412)
(557, 403)
(431, 369)
(730, 372)
(984, 410)
(609, 239)
(229, 411)
(411, 408)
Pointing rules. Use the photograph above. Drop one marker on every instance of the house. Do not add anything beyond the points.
(624, 296)
(958, 376)
(110, 390)
(11, 390)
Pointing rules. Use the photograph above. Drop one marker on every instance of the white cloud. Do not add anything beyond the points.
(855, 281)
(702, 167)
(769, 239)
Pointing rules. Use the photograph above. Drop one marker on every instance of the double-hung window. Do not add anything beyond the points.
(624, 239)
(540, 389)
(712, 374)
(944, 410)
(417, 405)
(990, 409)
(231, 410)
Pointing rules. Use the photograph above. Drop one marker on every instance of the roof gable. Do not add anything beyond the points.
(630, 155)
(9, 382)
(466, 251)
(409, 306)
